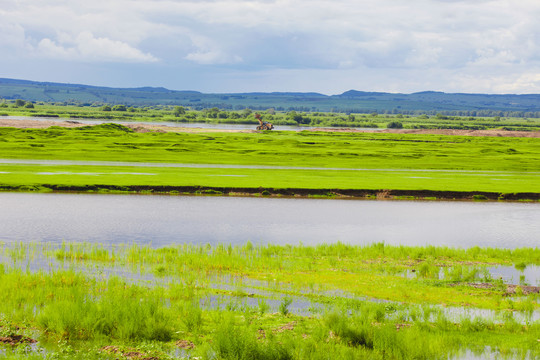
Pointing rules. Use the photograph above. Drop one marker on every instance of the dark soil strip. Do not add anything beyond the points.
(510, 289)
(14, 340)
(286, 192)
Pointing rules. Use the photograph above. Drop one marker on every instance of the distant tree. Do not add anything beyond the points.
(271, 111)
(246, 112)
(394, 125)
(119, 108)
(299, 118)
(441, 116)
(212, 113)
(179, 110)
(29, 105)
(105, 108)
(131, 109)
(294, 116)
(19, 102)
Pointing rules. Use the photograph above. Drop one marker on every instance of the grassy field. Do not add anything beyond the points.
(301, 160)
(263, 302)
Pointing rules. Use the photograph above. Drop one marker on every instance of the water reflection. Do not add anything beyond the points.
(510, 275)
(163, 220)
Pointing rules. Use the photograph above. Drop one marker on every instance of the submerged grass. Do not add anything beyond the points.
(69, 297)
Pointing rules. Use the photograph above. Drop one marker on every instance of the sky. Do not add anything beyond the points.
(325, 46)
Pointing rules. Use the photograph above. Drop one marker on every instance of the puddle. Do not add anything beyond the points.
(230, 175)
(530, 275)
(90, 173)
(510, 275)
(240, 166)
(456, 314)
(67, 173)
(487, 353)
(298, 305)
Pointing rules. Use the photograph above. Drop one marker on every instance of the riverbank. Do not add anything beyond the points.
(353, 194)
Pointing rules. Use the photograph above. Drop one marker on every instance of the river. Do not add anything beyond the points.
(215, 126)
(160, 220)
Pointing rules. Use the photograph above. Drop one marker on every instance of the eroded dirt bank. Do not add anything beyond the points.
(379, 194)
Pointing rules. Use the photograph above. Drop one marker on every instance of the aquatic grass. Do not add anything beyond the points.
(359, 269)
(286, 301)
(223, 260)
(237, 257)
(192, 317)
(81, 308)
(350, 330)
(68, 305)
(239, 343)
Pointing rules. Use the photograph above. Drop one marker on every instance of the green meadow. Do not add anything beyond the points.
(277, 159)
(87, 301)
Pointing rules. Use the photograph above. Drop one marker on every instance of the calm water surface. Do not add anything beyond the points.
(163, 220)
(179, 124)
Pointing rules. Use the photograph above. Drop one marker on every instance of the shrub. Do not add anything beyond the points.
(394, 125)
(119, 108)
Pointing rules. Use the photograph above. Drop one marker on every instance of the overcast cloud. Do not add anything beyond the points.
(328, 46)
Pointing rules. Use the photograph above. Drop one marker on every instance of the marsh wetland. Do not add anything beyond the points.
(248, 301)
(159, 277)
(106, 254)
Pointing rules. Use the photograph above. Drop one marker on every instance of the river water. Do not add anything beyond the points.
(215, 126)
(160, 220)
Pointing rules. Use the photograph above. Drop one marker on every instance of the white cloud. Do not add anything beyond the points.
(444, 43)
(89, 48)
(212, 57)
(207, 52)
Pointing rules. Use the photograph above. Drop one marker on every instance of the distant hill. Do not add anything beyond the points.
(427, 102)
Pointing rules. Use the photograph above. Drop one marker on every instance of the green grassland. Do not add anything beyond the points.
(85, 301)
(279, 159)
